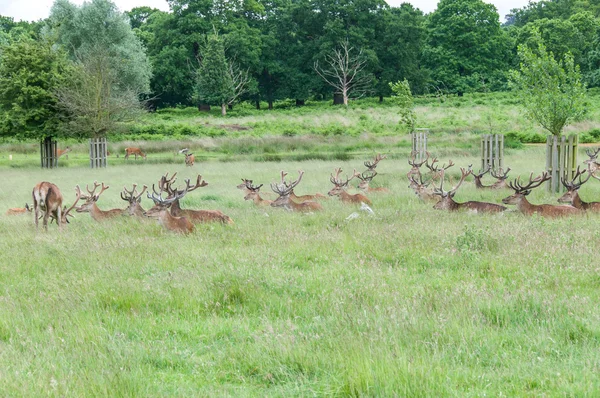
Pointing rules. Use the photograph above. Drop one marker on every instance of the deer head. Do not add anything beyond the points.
(252, 191)
(91, 198)
(447, 196)
(284, 190)
(339, 185)
(134, 199)
(371, 165)
(573, 186)
(365, 179)
(523, 190)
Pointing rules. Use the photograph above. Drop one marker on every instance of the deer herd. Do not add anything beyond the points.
(166, 195)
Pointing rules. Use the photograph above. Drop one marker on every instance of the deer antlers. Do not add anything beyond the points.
(285, 188)
(500, 174)
(132, 196)
(413, 156)
(367, 175)
(440, 191)
(572, 185)
(533, 183)
(335, 180)
(166, 184)
(372, 165)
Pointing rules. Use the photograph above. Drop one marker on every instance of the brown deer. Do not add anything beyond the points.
(437, 172)
(135, 152)
(372, 165)
(135, 201)
(423, 191)
(160, 211)
(47, 199)
(479, 176)
(19, 210)
(415, 166)
(244, 185)
(195, 216)
(501, 177)
(447, 199)
(60, 152)
(365, 179)
(253, 195)
(592, 163)
(340, 187)
(189, 159)
(519, 199)
(91, 207)
(301, 198)
(572, 195)
(284, 200)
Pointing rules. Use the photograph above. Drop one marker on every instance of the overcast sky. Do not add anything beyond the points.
(32, 10)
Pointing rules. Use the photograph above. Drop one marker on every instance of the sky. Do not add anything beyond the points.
(32, 10)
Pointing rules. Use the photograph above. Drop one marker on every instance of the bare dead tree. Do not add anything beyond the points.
(344, 71)
(240, 79)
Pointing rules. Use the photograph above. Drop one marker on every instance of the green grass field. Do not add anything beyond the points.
(409, 302)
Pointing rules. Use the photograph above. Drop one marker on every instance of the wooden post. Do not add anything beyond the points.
(98, 152)
(492, 151)
(419, 143)
(561, 160)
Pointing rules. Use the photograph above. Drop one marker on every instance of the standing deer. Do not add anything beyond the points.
(572, 195)
(365, 179)
(189, 159)
(161, 212)
(135, 152)
(301, 198)
(47, 199)
(519, 199)
(447, 199)
(372, 165)
(415, 166)
(592, 163)
(134, 199)
(501, 177)
(437, 172)
(60, 152)
(19, 210)
(423, 191)
(91, 207)
(340, 187)
(284, 200)
(253, 195)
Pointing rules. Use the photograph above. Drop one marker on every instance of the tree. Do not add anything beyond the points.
(343, 71)
(404, 100)
(551, 91)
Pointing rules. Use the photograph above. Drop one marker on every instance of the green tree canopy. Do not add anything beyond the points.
(214, 84)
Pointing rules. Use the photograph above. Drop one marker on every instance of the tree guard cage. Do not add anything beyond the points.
(561, 160)
(49, 157)
(97, 152)
(492, 151)
(419, 144)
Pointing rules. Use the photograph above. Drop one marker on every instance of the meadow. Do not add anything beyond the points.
(408, 302)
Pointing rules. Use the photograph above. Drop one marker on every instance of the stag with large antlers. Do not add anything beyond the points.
(340, 187)
(415, 170)
(47, 199)
(372, 165)
(592, 163)
(196, 216)
(521, 191)
(160, 211)
(284, 190)
(91, 207)
(301, 198)
(437, 172)
(423, 191)
(365, 179)
(135, 201)
(572, 195)
(501, 176)
(447, 199)
(254, 195)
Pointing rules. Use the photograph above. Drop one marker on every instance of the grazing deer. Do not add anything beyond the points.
(519, 199)
(135, 152)
(437, 172)
(478, 178)
(60, 152)
(572, 195)
(501, 177)
(447, 199)
(592, 163)
(340, 189)
(196, 216)
(91, 207)
(284, 200)
(47, 199)
(19, 210)
(189, 159)
(134, 199)
(161, 212)
(423, 191)
(253, 195)
(301, 198)
(372, 165)
(415, 166)
(365, 179)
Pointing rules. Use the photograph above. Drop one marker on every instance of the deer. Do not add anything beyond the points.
(134, 199)
(195, 216)
(365, 179)
(135, 152)
(340, 187)
(160, 211)
(60, 152)
(437, 172)
(253, 195)
(284, 190)
(47, 199)
(91, 207)
(372, 165)
(301, 198)
(592, 163)
(479, 176)
(423, 191)
(415, 166)
(572, 195)
(189, 159)
(519, 198)
(19, 210)
(501, 176)
(447, 198)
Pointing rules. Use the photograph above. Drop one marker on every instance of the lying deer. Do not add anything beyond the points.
(447, 199)
(340, 187)
(365, 179)
(415, 170)
(284, 200)
(189, 159)
(572, 195)
(437, 172)
(253, 195)
(372, 165)
(160, 211)
(47, 199)
(501, 177)
(196, 216)
(19, 210)
(135, 201)
(302, 198)
(423, 191)
(135, 152)
(91, 207)
(479, 176)
(592, 162)
(519, 199)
